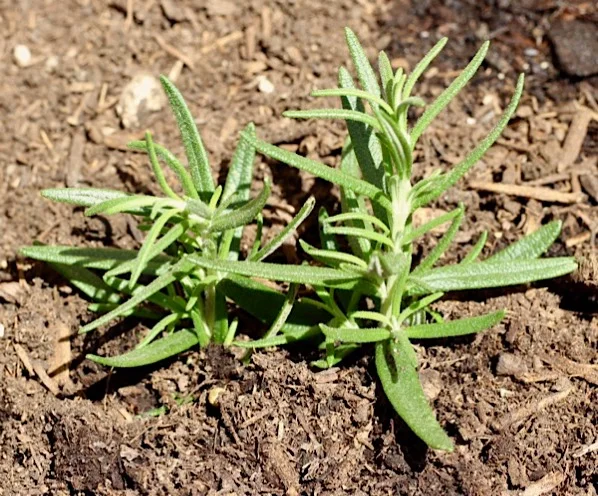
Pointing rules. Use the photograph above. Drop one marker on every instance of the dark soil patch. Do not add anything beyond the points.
(279, 427)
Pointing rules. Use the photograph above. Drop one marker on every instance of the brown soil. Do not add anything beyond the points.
(519, 400)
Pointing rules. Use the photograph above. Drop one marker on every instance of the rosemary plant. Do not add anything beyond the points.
(186, 302)
(376, 292)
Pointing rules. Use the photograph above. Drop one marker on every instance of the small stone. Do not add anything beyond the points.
(142, 96)
(22, 55)
(510, 364)
(128, 453)
(576, 47)
(525, 111)
(52, 63)
(589, 182)
(172, 11)
(265, 85)
(221, 7)
(431, 382)
(2, 329)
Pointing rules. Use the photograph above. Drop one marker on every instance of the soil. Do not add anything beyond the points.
(519, 401)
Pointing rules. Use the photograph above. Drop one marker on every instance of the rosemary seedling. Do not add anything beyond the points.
(376, 293)
(160, 281)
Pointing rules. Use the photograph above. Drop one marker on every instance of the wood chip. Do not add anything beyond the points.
(250, 41)
(534, 192)
(221, 42)
(586, 371)
(118, 141)
(574, 140)
(579, 239)
(545, 485)
(73, 173)
(62, 357)
(81, 87)
(519, 415)
(11, 291)
(550, 179)
(266, 24)
(24, 357)
(589, 182)
(45, 379)
(129, 17)
(169, 49)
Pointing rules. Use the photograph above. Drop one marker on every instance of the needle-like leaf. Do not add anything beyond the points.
(158, 350)
(490, 274)
(401, 384)
(194, 149)
(452, 328)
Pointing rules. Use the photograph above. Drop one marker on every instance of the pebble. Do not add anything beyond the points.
(265, 85)
(2, 328)
(52, 63)
(431, 382)
(510, 364)
(22, 55)
(143, 95)
(576, 47)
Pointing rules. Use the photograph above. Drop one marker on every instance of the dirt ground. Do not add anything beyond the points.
(519, 401)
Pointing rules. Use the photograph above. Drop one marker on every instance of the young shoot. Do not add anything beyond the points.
(186, 302)
(376, 293)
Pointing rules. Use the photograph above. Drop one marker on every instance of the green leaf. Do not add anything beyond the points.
(139, 296)
(421, 66)
(443, 243)
(474, 253)
(360, 233)
(357, 216)
(242, 215)
(281, 339)
(91, 258)
(240, 172)
(446, 181)
(352, 335)
(490, 274)
(148, 247)
(194, 149)
(449, 93)
(417, 306)
(283, 313)
(332, 258)
(347, 115)
(129, 204)
(87, 282)
(155, 261)
(300, 274)
(327, 240)
(428, 226)
(365, 72)
(289, 229)
(221, 317)
(238, 184)
(265, 303)
(158, 172)
(401, 384)
(363, 141)
(458, 327)
(168, 320)
(156, 351)
(386, 74)
(351, 203)
(172, 162)
(84, 197)
(320, 170)
(354, 92)
(531, 246)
